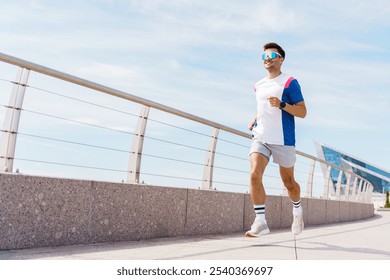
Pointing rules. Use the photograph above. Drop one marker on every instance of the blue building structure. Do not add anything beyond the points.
(378, 177)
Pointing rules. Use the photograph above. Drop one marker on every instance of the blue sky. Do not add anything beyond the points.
(203, 57)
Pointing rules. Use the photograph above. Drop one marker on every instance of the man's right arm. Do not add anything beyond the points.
(252, 124)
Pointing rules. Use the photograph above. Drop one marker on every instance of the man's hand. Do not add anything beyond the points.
(252, 124)
(274, 101)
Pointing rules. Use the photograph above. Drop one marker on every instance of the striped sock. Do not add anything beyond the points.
(260, 211)
(297, 207)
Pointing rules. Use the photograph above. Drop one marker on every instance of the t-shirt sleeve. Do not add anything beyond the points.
(294, 92)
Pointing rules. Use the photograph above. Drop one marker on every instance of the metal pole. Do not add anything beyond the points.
(347, 187)
(361, 185)
(209, 162)
(136, 148)
(11, 122)
(338, 186)
(354, 189)
(327, 182)
(309, 188)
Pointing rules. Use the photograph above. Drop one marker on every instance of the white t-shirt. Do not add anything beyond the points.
(276, 126)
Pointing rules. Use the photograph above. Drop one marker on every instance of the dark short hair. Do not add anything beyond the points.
(272, 45)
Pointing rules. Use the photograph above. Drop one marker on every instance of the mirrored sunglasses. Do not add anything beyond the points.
(271, 55)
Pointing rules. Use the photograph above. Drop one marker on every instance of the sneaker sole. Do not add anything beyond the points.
(264, 232)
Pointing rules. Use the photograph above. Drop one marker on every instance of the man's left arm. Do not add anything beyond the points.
(297, 110)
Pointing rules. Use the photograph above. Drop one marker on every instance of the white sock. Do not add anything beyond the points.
(260, 212)
(297, 207)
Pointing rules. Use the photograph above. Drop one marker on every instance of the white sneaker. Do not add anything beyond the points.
(258, 228)
(297, 225)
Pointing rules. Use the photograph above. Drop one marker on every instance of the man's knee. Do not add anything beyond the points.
(256, 176)
(289, 182)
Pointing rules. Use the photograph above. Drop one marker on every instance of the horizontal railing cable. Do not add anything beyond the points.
(102, 168)
(233, 143)
(5, 80)
(70, 164)
(125, 151)
(78, 122)
(116, 110)
(85, 102)
(72, 142)
(175, 143)
(230, 156)
(172, 177)
(178, 127)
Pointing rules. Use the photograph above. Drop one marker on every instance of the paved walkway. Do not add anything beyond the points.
(361, 240)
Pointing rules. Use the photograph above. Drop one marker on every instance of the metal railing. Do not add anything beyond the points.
(224, 166)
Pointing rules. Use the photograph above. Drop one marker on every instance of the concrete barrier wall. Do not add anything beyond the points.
(43, 211)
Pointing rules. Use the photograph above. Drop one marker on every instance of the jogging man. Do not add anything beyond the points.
(279, 100)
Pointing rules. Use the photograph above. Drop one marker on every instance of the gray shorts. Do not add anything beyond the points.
(285, 156)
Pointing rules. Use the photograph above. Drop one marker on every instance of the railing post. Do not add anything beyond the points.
(359, 193)
(361, 196)
(136, 148)
(11, 122)
(354, 189)
(347, 187)
(209, 162)
(366, 190)
(369, 194)
(338, 185)
(309, 188)
(361, 188)
(327, 182)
